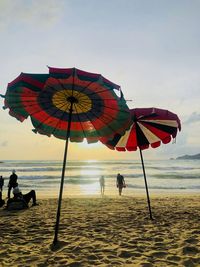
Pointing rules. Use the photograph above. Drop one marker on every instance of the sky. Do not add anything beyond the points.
(151, 48)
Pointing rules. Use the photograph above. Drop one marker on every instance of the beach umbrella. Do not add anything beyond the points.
(150, 127)
(70, 104)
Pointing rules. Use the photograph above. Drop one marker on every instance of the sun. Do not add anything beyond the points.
(90, 172)
(90, 146)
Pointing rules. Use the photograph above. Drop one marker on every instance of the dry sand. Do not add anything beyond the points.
(104, 232)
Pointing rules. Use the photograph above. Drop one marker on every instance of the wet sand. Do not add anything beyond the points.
(108, 231)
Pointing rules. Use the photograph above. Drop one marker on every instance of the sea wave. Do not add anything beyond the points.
(176, 176)
(161, 175)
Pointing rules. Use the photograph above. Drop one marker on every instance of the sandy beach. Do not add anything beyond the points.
(108, 231)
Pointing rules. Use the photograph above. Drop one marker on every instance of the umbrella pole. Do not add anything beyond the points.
(62, 177)
(146, 186)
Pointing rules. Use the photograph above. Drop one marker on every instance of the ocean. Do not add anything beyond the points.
(82, 177)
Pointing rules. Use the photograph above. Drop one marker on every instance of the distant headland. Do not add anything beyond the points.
(196, 156)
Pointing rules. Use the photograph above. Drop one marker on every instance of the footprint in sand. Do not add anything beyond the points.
(174, 258)
(190, 250)
(189, 263)
(92, 257)
(158, 239)
(75, 264)
(125, 254)
(146, 264)
(192, 240)
(159, 254)
(159, 245)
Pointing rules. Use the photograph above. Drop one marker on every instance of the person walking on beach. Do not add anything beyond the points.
(1, 183)
(12, 182)
(102, 184)
(26, 198)
(120, 183)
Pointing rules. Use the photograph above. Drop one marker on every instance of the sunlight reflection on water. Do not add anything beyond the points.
(90, 189)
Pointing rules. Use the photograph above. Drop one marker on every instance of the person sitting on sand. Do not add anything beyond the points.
(26, 198)
(102, 184)
(2, 202)
(120, 183)
(12, 182)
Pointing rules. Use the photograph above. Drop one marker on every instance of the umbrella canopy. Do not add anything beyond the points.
(69, 104)
(150, 127)
(97, 111)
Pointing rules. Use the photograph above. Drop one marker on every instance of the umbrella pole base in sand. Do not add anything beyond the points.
(55, 241)
(146, 186)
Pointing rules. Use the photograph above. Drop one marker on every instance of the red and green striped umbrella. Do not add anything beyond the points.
(68, 104)
(150, 127)
(97, 111)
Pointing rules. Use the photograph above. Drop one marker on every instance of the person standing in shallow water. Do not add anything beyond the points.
(12, 182)
(102, 184)
(120, 183)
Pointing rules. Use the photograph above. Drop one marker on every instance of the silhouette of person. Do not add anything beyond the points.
(26, 198)
(1, 183)
(120, 183)
(102, 184)
(2, 202)
(12, 182)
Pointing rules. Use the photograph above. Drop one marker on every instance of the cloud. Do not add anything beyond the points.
(43, 13)
(193, 118)
(4, 143)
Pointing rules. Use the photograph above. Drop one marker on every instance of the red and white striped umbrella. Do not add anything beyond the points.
(150, 127)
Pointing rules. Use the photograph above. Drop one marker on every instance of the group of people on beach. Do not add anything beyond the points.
(18, 197)
(120, 183)
(26, 198)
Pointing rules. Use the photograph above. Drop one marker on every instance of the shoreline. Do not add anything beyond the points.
(132, 193)
(104, 231)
